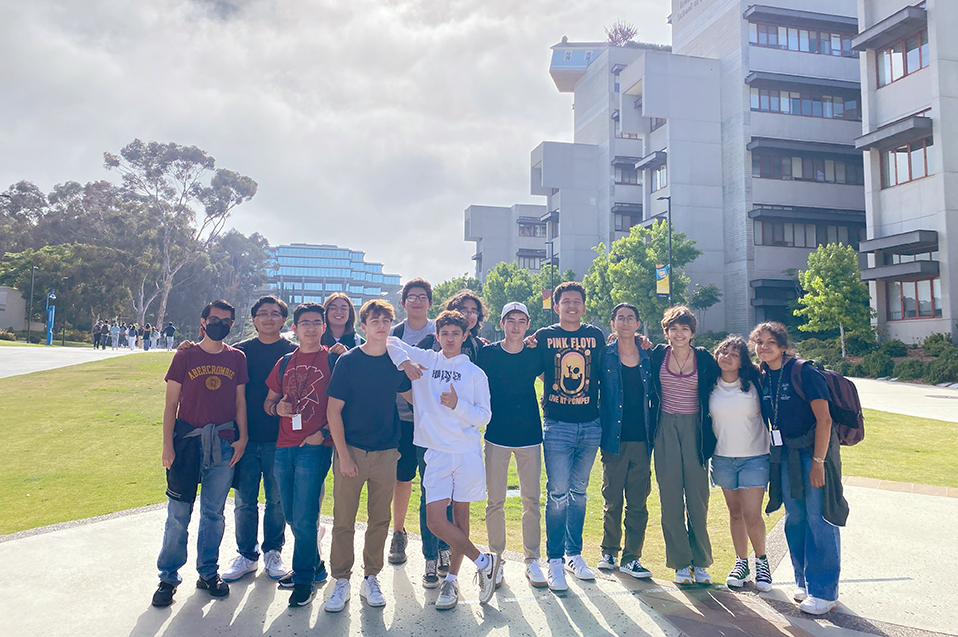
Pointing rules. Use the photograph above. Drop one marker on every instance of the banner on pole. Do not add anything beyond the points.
(662, 281)
(547, 300)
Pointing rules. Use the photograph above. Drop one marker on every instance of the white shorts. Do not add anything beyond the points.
(460, 477)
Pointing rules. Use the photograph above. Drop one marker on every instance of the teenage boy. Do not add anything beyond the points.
(365, 428)
(572, 357)
(297, 393)
(204, 436)
(416, 300)
(269, 315)
(452, 402)
(515, 429)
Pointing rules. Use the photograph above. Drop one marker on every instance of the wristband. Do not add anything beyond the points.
(819, 460)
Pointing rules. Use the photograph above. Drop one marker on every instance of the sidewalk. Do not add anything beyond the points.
(910, 399)
(26, 360)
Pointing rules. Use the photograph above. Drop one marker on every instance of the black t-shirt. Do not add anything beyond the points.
(260, 360)
(795, 416)
(633, 395)
(368, 385)
(512, 389)
(572, 362)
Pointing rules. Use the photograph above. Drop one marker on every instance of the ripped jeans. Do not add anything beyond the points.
(569, 450)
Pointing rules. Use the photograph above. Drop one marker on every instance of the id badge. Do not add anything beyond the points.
(297, 422)
(776, 438)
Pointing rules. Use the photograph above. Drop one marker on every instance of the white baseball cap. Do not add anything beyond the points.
(514, 306)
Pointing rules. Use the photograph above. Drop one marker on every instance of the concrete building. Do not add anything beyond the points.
(13, 310)
(304, 272)
(747, 126)
(505, 235)
(909, 71)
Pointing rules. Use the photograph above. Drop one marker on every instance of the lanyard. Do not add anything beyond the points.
(778, 389)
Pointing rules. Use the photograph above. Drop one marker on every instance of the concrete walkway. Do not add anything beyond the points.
(910, 399)
(26, 360)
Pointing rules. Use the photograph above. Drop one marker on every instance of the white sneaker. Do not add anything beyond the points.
(273, 563)
(556, 578)
(579, 568)
(701, 575)
(448, 595)
(499, 576)
(607, 563)
(683, 576)
(487, 577)
(816, 606)
(240, 567)
(337, 601)
(799, 594)
(535, 576)
(371, 592)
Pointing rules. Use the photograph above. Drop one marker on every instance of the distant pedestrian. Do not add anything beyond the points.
(97, 335)
(168, 333)
(115, 335)
(154, 338)
(146, 334)
(131, 336)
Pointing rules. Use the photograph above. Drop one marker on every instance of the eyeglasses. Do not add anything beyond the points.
(218, 321)
(309, 324)
(418, 298)
(266, 315)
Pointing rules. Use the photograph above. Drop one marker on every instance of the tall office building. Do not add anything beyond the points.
(909, 71)
(303, 272)
(505, 235)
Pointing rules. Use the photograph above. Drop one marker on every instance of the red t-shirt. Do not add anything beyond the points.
(209, 385)
(304, 386)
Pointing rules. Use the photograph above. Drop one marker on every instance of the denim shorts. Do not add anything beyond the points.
(740, 473)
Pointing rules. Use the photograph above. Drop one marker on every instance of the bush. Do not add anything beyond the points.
(709, 340)
(856, 371)
(8, 336)
(935, 344)
(860, 342)
(895, 349)
(943, 369)
(842, 367)
(878, 365)
(910, 369)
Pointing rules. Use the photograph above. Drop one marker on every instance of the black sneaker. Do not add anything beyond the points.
(443, 566)
(736, 579)
(215, 585)
(430, 579)
(397, 549)
(302, 595)
(163, 596)
(286, 581)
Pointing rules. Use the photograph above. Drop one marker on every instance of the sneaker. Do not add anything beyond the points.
(736, 578)
(286, 581)
(302, 594)
(163, 596)
(683, 576)
(763, 574)
(337, 601)
(486, 577)
(397, 549)
(701, 575)
(499, 576)
(430, 579)
(443, 567)
(215, 585)
(579, 568)
(240, 567)
(371, 592)
(448, 596)
(636, 570)
(816, 606)
(556, 577)
(607, 563)
(535, 576)
(273, 563)
(799, 594)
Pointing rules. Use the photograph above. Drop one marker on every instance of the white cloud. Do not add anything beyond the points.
(370, 125)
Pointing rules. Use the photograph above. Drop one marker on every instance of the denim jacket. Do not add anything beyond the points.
(610, 400)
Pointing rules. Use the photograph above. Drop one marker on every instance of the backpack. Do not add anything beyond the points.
(843, 403)
(283, 362)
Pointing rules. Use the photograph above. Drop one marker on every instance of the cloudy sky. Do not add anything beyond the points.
(370, 124)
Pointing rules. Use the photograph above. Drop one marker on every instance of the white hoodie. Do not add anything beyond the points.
(436, 426)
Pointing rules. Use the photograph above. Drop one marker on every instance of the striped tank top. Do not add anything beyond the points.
(680, 393)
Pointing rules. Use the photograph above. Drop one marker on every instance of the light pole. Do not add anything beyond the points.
(669, 201)
(33, 273)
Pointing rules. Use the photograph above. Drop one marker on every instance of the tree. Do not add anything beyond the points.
(170, 180)
(835, 295)
(21, 206)
(508, 282)
(621, 32)
(443, 291)
(598, 285)
(704, 297)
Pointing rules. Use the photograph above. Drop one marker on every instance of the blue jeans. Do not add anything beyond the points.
(300, 472)
(569, 451)
(431, 545)
(215, 486)
(813, 544)
(257, 461)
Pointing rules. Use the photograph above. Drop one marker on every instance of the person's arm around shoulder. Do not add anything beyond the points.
(411, 360)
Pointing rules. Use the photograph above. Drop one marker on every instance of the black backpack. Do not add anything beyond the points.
(843, 403)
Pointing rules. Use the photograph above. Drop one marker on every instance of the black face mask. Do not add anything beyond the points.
(217, 331)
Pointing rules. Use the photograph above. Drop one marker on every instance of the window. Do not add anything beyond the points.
(624, 222)
(626, 175)
(660, 177)
(568, 55)
(807, 104)
(902, 58)
(906, 163)
(588, 56)
(833, 171)
(914, 299)
(895, 259)
(532, 230)
(792, 39)
(530, 263)
(803, 235)
(657, 123)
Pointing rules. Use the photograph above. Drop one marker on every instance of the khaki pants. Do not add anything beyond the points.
(629, 474)
(377, 471)
(683, 491)
(529, 468)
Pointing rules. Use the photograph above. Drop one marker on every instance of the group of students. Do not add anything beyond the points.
(151, 337)
(416, 397)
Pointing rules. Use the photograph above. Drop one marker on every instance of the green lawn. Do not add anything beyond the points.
(85, 441)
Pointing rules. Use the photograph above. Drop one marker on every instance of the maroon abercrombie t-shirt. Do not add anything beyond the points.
(304, 385)
(209, 385)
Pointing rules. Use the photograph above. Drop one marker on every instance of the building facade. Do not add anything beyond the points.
(302, 272)
(505, 235)
(909, 71)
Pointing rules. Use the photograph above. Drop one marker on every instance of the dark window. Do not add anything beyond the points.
(902, 58)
